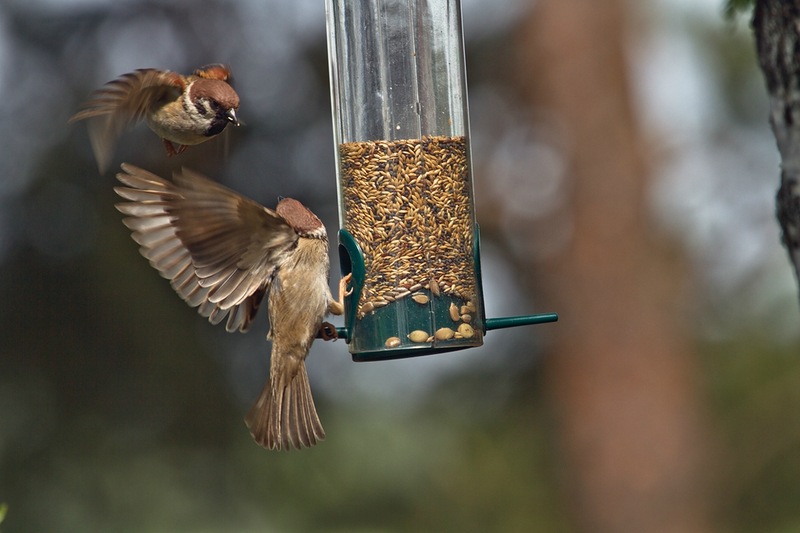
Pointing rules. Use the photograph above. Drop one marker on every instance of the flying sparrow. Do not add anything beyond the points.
(223, 253)
(182, 110)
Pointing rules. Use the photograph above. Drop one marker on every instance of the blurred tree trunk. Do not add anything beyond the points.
(776, 24)
(622, 372)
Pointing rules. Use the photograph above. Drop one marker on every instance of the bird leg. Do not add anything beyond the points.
(174, 149)
(169, 147)
(328, 331)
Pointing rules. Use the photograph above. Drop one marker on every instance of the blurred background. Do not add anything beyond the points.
(625, 175)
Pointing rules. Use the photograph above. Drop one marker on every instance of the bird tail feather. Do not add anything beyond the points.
(284, 416)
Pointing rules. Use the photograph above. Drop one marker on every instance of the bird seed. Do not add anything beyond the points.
(408, 203)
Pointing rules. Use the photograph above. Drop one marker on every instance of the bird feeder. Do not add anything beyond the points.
(406, 204)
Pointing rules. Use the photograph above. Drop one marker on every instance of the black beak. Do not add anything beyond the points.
(231, 116)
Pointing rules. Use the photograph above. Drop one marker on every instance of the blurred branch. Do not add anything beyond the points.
(776, 24)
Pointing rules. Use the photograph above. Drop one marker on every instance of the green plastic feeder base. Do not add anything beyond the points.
(424, 323)
(491, 323)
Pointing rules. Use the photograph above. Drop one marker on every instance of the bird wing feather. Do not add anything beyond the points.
(215, 71)
(121, 103)
(218, 248)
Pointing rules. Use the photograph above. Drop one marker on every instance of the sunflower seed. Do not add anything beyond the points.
(466, 331)
(418, 336)
(444, 334)
(392, 342)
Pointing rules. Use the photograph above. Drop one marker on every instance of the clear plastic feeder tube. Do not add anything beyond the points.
(401, 128)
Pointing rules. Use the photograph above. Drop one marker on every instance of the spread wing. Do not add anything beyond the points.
(218, 249)
(122, 102)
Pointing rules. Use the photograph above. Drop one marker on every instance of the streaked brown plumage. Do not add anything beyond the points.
(223, 253)
(182, 110)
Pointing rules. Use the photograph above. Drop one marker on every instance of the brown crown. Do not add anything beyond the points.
(300, 218)
(216, 90)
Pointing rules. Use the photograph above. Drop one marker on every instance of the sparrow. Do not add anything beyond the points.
(182, 110)
(223, 253)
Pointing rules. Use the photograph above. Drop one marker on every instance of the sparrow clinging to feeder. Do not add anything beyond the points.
(182, 110)
(223, 253)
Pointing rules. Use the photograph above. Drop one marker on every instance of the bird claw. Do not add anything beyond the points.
(327, 332)
(343, 287)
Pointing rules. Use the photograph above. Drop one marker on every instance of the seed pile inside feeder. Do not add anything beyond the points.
(408, 204)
